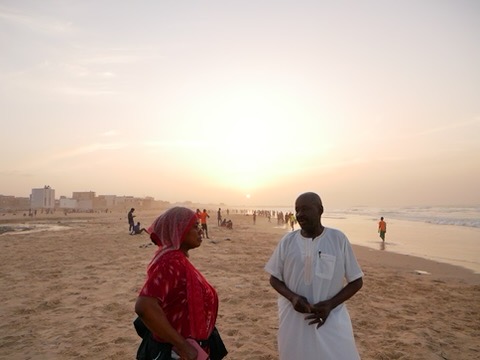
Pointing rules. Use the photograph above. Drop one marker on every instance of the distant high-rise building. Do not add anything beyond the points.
(43, 198)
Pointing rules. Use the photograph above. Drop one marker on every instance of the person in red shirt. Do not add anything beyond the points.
(382, 228)
(203, 220)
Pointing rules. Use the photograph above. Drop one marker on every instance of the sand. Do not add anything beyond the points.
(70, 293)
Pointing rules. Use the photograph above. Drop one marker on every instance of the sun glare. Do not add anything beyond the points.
(248, 132)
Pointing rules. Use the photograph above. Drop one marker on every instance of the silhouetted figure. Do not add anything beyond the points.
(130, 217)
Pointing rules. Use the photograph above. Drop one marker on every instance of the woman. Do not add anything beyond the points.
(176, 302)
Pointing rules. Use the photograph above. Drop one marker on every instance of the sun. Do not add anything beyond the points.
(247, 196)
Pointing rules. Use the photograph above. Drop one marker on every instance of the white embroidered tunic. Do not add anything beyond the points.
(317, 270)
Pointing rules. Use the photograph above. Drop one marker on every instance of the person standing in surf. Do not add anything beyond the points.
(382, 228)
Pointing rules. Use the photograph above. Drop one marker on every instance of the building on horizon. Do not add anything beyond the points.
(81, 201)
(105, 202)
(43, 198)
(65, 203)
(85, 200)
(10, 202)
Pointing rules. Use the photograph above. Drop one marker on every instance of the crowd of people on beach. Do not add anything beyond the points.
(202, 216)
(287, 219)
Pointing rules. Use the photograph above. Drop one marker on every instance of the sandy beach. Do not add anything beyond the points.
(69, 292)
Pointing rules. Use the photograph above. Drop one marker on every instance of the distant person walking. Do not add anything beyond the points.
(131, 223)
(382, 228)
(292, 221)
(219, 217)
(203, 220)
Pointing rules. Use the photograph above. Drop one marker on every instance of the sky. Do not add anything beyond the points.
(368, 103)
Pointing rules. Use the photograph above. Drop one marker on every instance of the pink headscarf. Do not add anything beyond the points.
(169, 229)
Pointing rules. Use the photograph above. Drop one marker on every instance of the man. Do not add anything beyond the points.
(308, 269)
(203, 220)
(219, 217)
(382, 228)
(131, 223)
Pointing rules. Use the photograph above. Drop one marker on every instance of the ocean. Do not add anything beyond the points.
(452, 215)
(445, 234)
(468, 216)
(448, 234)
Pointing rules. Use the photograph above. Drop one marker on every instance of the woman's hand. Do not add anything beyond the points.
(154, 318)
(187, 351)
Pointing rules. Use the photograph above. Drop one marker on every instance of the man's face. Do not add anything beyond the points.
(307, 212)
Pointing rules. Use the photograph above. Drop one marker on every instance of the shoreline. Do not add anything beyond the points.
(445, 244)
(358, 230)
(413, 266)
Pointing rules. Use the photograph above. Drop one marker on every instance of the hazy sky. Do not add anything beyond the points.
(366, 102)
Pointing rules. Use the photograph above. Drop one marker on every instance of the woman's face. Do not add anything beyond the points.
(193, 238)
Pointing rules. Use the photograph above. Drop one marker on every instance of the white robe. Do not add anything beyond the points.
(317, 270)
